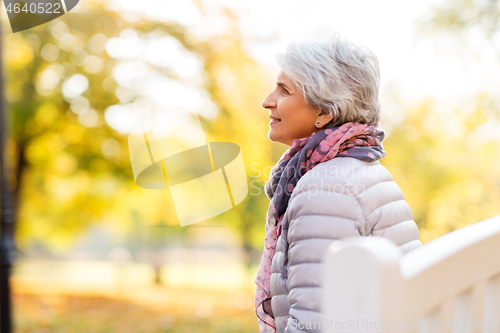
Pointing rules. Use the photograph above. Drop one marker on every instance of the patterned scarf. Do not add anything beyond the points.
(356, 140)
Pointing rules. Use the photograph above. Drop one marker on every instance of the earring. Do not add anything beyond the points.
(318, 124)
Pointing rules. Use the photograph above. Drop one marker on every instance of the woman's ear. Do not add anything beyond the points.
(324, 117)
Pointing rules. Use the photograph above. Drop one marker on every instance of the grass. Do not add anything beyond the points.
(95, 297)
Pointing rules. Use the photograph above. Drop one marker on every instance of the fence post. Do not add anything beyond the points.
(362, 285)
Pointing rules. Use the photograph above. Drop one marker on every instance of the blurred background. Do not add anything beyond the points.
(97, 253)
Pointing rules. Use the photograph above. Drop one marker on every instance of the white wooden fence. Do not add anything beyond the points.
(451, 284)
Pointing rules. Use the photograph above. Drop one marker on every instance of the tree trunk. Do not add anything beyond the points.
(157, 269)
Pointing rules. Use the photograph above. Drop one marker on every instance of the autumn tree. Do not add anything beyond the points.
(76, 88)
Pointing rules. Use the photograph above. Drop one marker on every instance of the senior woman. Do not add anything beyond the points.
(329, 184)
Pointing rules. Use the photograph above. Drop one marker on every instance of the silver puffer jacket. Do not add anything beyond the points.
(338, 198)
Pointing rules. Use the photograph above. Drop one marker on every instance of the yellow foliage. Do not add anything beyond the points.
(46, 114)
(64, 163)
(448, 182)
(73, 133)
(18, 53)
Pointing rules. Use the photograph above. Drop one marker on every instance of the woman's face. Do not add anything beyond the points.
(296, 118)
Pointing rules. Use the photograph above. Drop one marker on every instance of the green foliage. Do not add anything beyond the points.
(458, 16)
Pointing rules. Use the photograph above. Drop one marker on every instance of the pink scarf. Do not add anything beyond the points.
(351, 139)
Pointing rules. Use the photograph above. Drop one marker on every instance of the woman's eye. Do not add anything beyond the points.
(285, 91)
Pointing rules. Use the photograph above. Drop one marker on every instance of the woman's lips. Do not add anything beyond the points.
(274, 120)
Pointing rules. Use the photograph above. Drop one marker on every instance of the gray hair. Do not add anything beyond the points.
(337, 75)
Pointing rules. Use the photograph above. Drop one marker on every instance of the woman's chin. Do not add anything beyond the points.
(276, 139)
(272, 136)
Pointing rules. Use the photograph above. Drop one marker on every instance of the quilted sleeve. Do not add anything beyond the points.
(386, 211)
(320, 210)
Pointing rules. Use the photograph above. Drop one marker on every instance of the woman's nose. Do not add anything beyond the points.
(269, 102)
